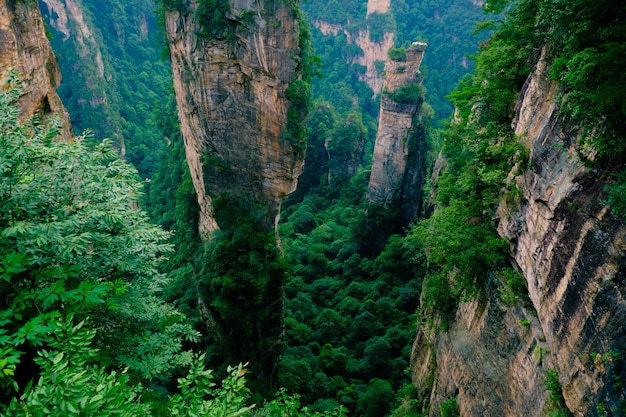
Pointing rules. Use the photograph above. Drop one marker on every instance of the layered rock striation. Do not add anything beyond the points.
(231, 91)
(571, 250)
(240, 78)
(398, 164)
(490, 363)
(375, 48)
(495, 356)
(24, 48)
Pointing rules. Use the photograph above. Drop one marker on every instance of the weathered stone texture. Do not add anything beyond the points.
(231, 96)
(570, 249)
(397, 166)
(24, 47)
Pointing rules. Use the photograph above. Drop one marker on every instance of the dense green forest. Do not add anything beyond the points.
(101, 309)
(115, 80)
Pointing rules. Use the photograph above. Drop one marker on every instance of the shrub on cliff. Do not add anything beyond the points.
(407, 94)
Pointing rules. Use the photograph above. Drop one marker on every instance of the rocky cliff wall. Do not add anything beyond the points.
(571, 250)
(398, 163)
(24, 47)
(67, 18)
(494, 357)
(374, 51)
(231, 92)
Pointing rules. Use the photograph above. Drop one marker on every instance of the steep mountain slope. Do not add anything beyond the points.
(113, 75)
(552, 344)
(571, 249)
(24, 48)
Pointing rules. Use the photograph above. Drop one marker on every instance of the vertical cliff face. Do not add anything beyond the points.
(24, 47)
(398, 165)
(241, 89)
(72, 27)
(487, 360)
(114, 77)
(375, 48)
(571, 250)
(231, 91)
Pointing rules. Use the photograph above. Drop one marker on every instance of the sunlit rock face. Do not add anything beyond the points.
(236, 110)
(570, 249)
(232, 103)
(25, 48)
(398, 164)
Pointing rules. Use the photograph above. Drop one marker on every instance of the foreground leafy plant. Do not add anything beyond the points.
(81, 319)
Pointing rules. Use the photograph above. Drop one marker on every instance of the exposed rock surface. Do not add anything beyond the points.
(486, 360)
(78, 37)
(373, 51)
(378, 6)
(398, 165)
(571, 251)
(236, 104)
(24, 47)
(570, 248)
(68, 19)
(232, 103)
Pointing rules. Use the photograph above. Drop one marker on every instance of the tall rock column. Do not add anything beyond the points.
(242, 93)
(398, 165)
(24, 47)
(231, 90)
(571, 249)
